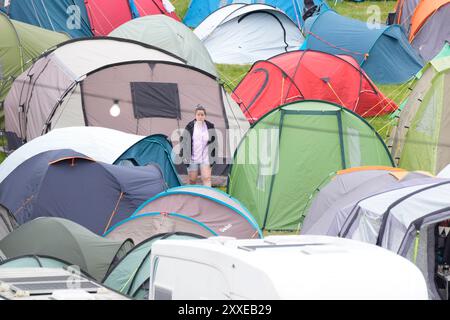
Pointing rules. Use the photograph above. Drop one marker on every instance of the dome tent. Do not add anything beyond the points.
(384, 53)
(101, 144)
(131, 275)
(168, 34)
(194, 209)
(75, 244)
(299, 146)
(245, 33)
(306, 75)
(419, 141)
(7, 222)
(200, 9)
(21, 43)
(85, 18)
(35, 261)
(95, 195)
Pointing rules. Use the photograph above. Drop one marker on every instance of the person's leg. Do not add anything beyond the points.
(193, 173)
(205, 171)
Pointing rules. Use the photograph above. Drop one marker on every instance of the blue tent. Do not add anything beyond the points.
(67, 184)
(154, 149)
(384, 52)
(199, 9)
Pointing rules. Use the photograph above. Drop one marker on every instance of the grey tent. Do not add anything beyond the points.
(67, 184)
(67, 241)
(7, 222)
(131, 275)
(168, 34)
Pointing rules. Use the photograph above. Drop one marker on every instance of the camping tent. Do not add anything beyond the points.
(426, 23)
(132, 274)
(383, 52)
(101, 144)
(333, 203)
(199, 10)
(34, 261)
(119, 84)
(195, 209)
(420, 140)
(20, 44)
(7, 222)
(309, 75)
(245, 33)
(68, 241)
(170, 35)
(85, 18)
(67, 184)
(290, 151)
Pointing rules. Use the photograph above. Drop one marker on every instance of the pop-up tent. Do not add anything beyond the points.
(421, 138)
(7, 222)
(309, 75)
(67, 241)
(194, 209)
(382, 51)
(297, 10)
(67, 184)
(101, 144)
(426, 24)
(20, 44)
(131, 275)
(35, 261)
(122, 85)
(291, 151)
(333, 203)
(168, 34)
(244, 33)
(85, 18)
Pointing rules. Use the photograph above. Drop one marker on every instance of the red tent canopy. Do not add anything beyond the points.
(106, 15)
(309, 75)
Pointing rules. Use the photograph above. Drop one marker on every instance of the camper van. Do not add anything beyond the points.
(281, 267)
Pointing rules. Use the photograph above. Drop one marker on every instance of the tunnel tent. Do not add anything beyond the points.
(85, 18)
(132, 274)
(383, 52)
(95, 195)
(297, 10)
(300, 145)
(309, 75)
(170, 35)
(76, 245)
(245, 33)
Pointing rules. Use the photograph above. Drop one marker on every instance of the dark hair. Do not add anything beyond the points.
(200, 108)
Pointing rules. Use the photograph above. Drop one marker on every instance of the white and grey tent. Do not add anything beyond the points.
(118, 84)
(244, 33)
(7, 223)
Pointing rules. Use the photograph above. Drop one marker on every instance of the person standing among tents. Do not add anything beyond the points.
(202, 137)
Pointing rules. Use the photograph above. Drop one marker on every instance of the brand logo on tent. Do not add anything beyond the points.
(227, 227)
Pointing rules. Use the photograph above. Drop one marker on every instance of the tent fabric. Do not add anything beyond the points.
(20, 44)
(419, 141)
(309, 75)
(67, 184)
(404, 11)
(132, 274)
(34, 261)
(69, 89)
(272, 178)
(242, 34)
(168, 34)
(204, 207)
(75, 244)
(155, 149)
(85, 18)
(199, 10)
(383, 52)
(7, 222)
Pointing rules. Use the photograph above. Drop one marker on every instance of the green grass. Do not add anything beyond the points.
(360, 10)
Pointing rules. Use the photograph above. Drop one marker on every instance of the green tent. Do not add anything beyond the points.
(291, 151)
(67, 241)
(131, 275)
(170, 35)
(421, 138)
(20, 43)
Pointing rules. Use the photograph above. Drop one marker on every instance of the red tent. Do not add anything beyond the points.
(106, 15)
(309, 75)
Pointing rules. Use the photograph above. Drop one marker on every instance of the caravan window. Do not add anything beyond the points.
(155, 100)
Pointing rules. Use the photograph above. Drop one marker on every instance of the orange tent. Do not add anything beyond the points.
(423, 12)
